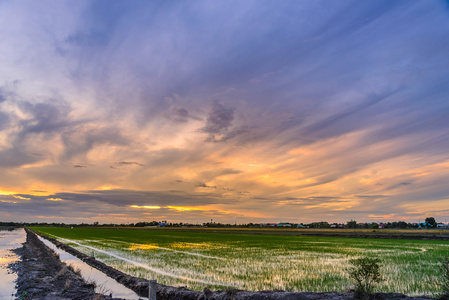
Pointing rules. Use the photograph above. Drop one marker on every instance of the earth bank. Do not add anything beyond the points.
(41, 275)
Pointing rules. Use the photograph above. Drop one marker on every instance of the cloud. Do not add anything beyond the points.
(205, 185)
(16, 157)
(80, 140)
(2, 96)
(129, 163)
(91, 203)
(179, 114)
(219, 123)
(330, 125)
(4, 120)
(220, 119)
(318, 112)
(79, 166)
(46, 118)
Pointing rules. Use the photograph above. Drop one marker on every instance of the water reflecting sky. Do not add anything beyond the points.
(9, 240)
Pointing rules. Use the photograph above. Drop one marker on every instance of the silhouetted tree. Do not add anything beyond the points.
(374, 226)
(431, 221)
(402, 224)
(351, 224)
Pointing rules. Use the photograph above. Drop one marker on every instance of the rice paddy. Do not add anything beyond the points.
(258, 262)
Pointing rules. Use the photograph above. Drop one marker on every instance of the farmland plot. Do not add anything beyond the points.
(257, 262)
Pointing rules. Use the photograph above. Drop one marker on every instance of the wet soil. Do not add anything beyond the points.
(41, 275)
(141, 286)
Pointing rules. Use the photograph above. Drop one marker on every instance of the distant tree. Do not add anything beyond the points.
(374, 226)
(431, 221)
(351, 224)
(411, 225)
(321, 224)
(402, 224)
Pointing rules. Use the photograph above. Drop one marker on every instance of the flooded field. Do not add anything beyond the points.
(9, 239)
(257, 262)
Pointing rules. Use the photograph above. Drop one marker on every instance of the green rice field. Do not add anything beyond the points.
(257, 262)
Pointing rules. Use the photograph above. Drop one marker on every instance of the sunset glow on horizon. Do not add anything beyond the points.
(236, 111)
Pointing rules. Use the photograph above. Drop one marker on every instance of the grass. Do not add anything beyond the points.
(259, 261)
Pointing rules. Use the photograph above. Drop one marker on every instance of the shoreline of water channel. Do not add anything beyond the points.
(104, 284)
(9, 240)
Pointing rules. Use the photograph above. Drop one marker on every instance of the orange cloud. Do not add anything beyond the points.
(146, 206)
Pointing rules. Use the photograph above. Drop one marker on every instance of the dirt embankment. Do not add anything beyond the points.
(41, 275)
(141, 286)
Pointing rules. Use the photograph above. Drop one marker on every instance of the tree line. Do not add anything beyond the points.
(429, 222)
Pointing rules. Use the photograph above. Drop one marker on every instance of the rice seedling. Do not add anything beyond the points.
(258, 262)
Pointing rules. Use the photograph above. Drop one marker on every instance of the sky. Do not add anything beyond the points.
(230, 111)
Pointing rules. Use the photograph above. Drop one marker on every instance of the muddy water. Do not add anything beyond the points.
(105, 284)
(9, 240)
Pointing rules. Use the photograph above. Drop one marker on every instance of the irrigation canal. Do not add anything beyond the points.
(9, 240)
(104, 284)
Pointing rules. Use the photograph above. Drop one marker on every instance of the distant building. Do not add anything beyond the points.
(284, 225)
(337, 225)
(162, 224)
(424, 225)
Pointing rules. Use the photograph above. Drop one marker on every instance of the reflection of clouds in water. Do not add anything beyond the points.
(9, 240)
